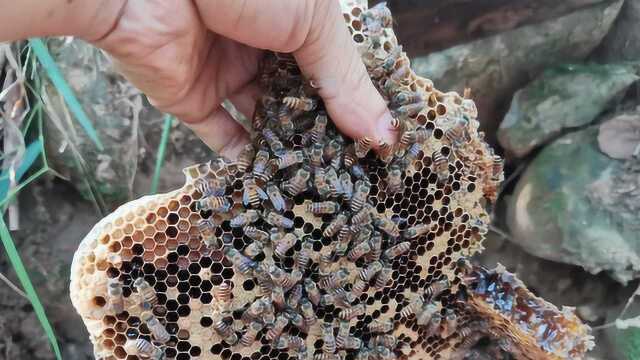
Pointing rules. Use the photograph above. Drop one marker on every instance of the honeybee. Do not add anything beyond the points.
(424, 315)
(147, 350)
(423, 134)
(497, 169)
(360, 284)
(362, 217)
(359, 250)
(210, 186)
(273, 141)
(245, 218)
(394, 179)
(406, 97)
(386, 225)
(440, 165)
(343, 334)
(346, 185)
(359, 195)
(147, 292)
(349, 156)
(458, 133)
(289, 158)
(303, 256)
(416, 231)
(206, 227)
(407, 139)
(245, 158)
(218, 204)
(278, 220)
(397, 250)
(352, 312)
(225, 330)
(385, 152)
(285, 117)
(434, 325)
(317, 132)
(298, 183)
(158, 331)
(315, 155)
(277, 297)
(333, 149)
(300, 103)
(324, 266)
(116, 300)
(450, 323)
(381, 326)
(334, 279)
(335, 225)
(241, 262)
(329, 346)
(291, 343)
(401, 71)
(251, 334)
(254, 249)
(308, 313)
(312, 291)
(284, 244)
(252, 194)
(383, 277)
(275, 331)
(324, 207)
(377, 18)
(254, 311)
(362, 146)
(260, 164)
(412, 308)
(222, 294)
(436, 288)
(256, 234)
(296, 320)
(376, 247)
(386, 341)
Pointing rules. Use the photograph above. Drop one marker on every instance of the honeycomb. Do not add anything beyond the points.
(311, 246)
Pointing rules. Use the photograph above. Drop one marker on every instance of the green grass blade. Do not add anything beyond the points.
(162, 148)
(23, 276)
(47, 62)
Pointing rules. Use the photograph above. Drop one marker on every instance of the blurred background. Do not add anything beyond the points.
(556, 83)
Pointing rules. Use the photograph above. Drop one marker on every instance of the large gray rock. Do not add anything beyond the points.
(623, 41)
(564, 208)
(496, 66)
(567, 96)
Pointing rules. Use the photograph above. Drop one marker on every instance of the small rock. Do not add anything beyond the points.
(565, 208)
(564, 97)
(620, 137)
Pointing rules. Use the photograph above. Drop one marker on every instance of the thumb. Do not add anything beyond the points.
(316, 33)
(330, 59)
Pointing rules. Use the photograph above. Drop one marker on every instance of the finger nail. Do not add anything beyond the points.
(385, 129)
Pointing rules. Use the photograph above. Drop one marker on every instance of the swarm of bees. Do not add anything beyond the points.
(310, 246)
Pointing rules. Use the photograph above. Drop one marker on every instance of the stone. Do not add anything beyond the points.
(494, 67)
(565, 208)
(567, 96)
(622, 43)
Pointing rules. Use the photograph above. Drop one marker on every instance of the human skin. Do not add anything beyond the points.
(187, 56)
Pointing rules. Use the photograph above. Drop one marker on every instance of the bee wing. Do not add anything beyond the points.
(261, 193)
(245, 197)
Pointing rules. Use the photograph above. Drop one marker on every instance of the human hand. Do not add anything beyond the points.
(188, 56)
